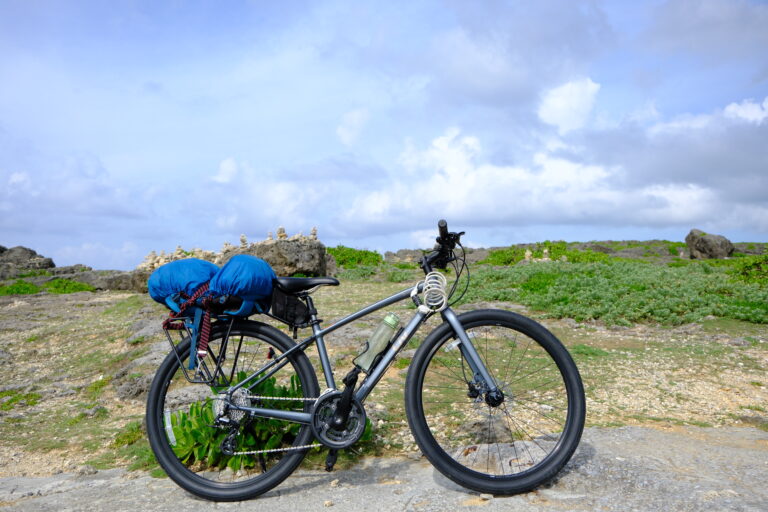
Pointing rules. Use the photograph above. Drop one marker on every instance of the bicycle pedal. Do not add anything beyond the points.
(330, 460)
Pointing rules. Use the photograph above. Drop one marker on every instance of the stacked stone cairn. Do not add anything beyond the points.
(288, 256)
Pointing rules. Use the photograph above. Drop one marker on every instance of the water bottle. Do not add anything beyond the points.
(378, 342)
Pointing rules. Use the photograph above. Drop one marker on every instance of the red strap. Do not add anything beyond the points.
(172, 323)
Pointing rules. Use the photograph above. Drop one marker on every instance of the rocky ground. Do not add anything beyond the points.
(621, 469)
(677, 416)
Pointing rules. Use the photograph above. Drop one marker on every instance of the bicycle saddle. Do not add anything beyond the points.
(300, 284)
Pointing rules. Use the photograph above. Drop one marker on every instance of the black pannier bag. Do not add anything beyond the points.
(289, 308)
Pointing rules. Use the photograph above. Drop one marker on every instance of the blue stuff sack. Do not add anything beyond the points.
(248, 278)
(180, 276)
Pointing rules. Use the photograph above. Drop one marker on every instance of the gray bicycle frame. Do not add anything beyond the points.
(468, 351)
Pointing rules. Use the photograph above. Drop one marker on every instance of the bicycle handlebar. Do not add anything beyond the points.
(442, 227)
(443, 250)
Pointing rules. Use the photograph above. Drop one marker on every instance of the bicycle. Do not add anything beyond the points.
(493, 399)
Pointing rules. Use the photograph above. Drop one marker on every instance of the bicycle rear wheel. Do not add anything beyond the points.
(500, 448)
(180, 415)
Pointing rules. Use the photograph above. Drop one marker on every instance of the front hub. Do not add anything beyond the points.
(494, 398)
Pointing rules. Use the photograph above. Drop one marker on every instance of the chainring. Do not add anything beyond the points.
(322, 415)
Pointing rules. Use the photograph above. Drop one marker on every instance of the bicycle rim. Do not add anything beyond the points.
(180, 416)
(509, 447)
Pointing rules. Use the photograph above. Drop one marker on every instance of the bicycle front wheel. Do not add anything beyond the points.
(500, 448)
(180, 414)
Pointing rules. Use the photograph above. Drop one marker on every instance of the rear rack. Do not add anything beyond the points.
(198, 370)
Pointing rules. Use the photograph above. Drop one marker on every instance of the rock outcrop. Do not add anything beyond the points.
(287, 255)
(18, 260)
(705, 246)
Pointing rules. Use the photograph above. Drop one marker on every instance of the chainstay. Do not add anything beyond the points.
(285, 398)
(278, 450)
(275, 450)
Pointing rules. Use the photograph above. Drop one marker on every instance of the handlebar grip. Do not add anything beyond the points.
(442, 226)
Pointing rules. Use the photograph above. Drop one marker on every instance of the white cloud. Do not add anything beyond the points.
(352, 124)
(681, 124)
(456, 182)
(125, 256)
(228, 169)
(748, 110)
(568, 106)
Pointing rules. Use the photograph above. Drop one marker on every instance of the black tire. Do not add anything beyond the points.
(204, 472)
(522, 442)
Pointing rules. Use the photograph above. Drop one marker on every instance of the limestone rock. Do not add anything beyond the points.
(17, 260)
(404, 256)
(287, 256)
(705, 246)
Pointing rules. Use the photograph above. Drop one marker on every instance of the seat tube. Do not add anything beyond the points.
(321, 350)
(468, 349)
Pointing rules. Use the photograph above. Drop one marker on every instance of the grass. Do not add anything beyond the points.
(587, 351)
(96, 388)
(14, 398)
(126, 307)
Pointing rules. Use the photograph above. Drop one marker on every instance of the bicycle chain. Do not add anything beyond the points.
(274, 450)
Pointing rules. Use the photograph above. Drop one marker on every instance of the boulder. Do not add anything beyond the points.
(18, 260)
(301, 255)
(705, 246)
(287, 255)
(404, 256)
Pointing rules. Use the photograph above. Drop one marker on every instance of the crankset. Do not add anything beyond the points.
(335, 436)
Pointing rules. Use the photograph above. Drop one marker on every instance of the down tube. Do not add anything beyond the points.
(373, 378)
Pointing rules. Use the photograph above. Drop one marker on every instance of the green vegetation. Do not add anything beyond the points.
(19, 288)
(752, 269)
(9, 399)
(587, 351)
(126, 307)
(130, 434)
(514, 254)
(625, 292)
(360, 273)
(96, 388)
(59, 285)
(346, 257)
(35, 273)
(198, 442)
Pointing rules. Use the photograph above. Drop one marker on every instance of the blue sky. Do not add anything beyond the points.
(133, 126)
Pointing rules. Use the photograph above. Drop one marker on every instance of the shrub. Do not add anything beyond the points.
(360, 273)
(397, 275)
(19, 288)
(624, 292)
(514, 254)
(346, 257)
(752, 269)
(60, 286)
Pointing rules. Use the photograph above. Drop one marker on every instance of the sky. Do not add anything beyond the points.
(132, 126)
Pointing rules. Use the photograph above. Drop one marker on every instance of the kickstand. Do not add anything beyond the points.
(330, 460)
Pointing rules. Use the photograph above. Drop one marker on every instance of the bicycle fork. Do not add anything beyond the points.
(481, 378)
